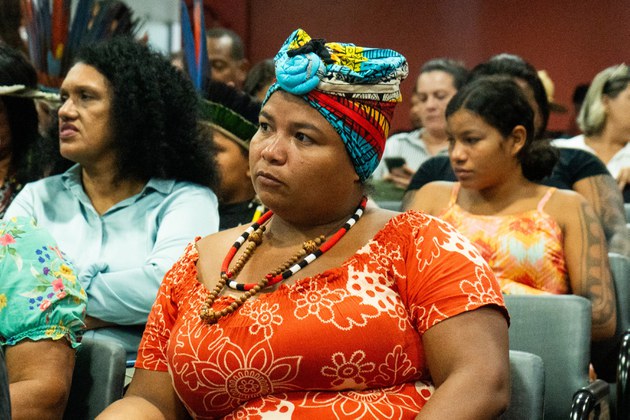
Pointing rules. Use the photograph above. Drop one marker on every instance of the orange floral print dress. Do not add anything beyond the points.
(346, 343)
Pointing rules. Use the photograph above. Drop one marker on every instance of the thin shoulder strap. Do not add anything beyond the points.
(545, 198)
(454, 194)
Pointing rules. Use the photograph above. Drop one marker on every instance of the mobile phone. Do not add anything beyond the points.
(394, 162)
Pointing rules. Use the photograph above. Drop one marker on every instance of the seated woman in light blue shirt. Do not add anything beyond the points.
(141, 186)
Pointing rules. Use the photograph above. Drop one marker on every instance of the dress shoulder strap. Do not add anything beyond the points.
(454, 194)
(545, 198)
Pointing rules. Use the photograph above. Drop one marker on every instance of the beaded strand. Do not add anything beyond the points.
(309, 252)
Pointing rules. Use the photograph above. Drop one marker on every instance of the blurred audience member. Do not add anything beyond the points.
(259, 78)
(229, 121)
(226, 53)
(605, 122)
(438, 81)
(22, 157)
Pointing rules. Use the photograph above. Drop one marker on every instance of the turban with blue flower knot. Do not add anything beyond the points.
(355, 88)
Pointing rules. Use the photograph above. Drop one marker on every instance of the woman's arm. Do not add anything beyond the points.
(40, 375)
(601, 192)
(586, 256)
(150, 396)
(124, 297)
(468, 358)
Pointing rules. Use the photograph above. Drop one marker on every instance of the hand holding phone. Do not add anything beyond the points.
(394, 162)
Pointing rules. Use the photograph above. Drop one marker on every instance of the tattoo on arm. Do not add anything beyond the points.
(595, 272)
(608, 204)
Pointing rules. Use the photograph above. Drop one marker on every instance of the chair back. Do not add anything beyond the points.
(527, 377)
(604, 353)
(558, 329)
(98, 379)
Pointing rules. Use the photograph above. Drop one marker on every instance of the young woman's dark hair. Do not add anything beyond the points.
(514, 66)
(455, 68)
(15, 69)
(154, 114)
(501, 103)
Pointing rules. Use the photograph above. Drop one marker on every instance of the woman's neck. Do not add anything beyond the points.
(105, 189)
(284, 232)
(499, 197)
(607, 143)
(434, 141)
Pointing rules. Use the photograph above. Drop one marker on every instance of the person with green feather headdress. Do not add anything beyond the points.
(230, 118)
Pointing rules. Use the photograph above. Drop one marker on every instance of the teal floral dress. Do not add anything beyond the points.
(40, 297)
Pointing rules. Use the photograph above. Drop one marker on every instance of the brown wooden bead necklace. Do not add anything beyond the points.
(309, 252)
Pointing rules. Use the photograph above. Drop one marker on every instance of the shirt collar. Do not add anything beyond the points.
(72, 180)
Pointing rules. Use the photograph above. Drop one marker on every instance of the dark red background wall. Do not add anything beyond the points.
(571, 39)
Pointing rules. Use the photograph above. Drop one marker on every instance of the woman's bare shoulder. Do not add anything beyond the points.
(432, 197)
(220, 240)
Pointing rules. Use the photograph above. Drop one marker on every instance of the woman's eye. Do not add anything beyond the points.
(471, 140)
(302, 137)
(263, 126)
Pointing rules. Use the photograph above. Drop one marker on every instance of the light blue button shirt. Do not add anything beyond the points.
(122, 255)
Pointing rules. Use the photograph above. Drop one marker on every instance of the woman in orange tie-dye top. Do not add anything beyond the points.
(535, 238)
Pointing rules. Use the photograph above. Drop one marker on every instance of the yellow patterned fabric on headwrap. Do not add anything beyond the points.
(354, 88)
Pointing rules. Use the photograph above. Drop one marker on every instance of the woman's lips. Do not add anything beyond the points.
(268, 179)
(67, 130)
(462, 173)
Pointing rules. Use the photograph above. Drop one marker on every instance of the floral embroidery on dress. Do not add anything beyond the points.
(346, 343)
(348, 372)
(41, 298)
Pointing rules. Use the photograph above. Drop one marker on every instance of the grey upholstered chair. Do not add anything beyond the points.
(98, 379)
(558, 329)
(527, 377)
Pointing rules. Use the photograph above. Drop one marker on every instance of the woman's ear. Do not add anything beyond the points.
(518, 137)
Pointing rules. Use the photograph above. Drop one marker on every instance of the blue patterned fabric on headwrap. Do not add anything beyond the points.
(354, 88)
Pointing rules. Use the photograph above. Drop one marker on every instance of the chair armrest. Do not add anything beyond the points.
(623, 378)
(592, 398)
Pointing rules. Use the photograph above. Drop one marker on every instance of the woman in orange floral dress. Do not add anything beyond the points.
(329, 309)
(536, 239)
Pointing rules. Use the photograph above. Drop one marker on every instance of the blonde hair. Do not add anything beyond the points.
(608, 82)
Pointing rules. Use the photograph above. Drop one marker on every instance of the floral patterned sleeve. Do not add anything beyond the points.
(445, 274)
(40, 297)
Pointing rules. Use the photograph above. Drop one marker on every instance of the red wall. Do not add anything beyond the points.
(572, 40)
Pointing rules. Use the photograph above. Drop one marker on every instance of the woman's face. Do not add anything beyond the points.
(5, 131)
(618, 111)
(298, 162)
(480, 155)
(434, 89)
(85, 134)
(236, 184)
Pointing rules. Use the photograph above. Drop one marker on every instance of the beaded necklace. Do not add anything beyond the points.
(314, 248)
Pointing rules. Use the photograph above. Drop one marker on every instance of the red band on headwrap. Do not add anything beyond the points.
(377, 130)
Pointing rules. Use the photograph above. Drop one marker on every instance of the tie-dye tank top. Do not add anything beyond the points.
(525, 250)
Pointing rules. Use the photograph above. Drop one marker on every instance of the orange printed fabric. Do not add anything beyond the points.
(525, 250)
(343, 344)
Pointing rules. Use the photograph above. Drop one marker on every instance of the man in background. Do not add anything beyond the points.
(226, 53)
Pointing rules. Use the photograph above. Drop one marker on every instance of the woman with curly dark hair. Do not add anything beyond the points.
(141, 186)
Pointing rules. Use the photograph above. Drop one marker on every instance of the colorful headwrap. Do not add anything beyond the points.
(354, 88)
